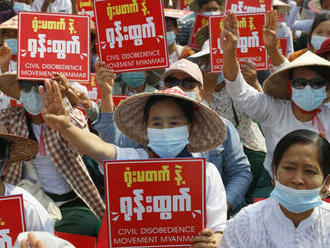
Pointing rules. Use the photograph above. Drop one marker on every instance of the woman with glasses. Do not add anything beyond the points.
(294, 97)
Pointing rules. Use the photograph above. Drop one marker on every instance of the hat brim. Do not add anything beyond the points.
(9, 85)
(208, 132)
(200, 54)
(202, 35)
(21, 149)
(276, 86)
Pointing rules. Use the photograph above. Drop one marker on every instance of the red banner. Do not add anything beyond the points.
(12, 220)
(250, 47)
(184, 4)
(200, 21)
(155, 203)
(282, 46)
(248, 6)
(131, 34)
(85, 7)
(49, 43)
(118, 99)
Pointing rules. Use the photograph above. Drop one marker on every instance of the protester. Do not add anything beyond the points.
(148, 118)
(294, 215)
(294, 96)
(55, 6)
(13, 149)
(59, 168)
(176, 51)
(229, 157)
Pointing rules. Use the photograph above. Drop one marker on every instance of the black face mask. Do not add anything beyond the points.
(4, 153)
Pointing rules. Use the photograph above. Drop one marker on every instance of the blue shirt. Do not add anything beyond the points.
(229, 157)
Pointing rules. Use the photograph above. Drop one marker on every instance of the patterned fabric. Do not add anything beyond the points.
(249, 132)
(66, 159)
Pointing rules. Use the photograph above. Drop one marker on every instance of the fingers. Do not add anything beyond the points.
(98, 65)
(42, 91)
(40, 244)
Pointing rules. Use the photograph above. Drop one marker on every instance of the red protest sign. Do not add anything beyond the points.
(131, 34)
(200, 21)
(156, 202)
(184, 4)
(53, 43)
(248, 6)
(118, 99)
(85, 7)
(94, 92)
(250, 47)
(12, 220)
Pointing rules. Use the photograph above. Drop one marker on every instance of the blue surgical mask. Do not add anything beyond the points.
(134, 79)
(168, 142)
(191, 94)
(170, 37)
(211, 13)
(294, 200)
(12, 44)
(31, 101)
(317, 41)
(308, 98)
(18, 6)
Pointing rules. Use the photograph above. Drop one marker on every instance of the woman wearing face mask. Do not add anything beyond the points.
(168, 124)
(293, 97)
(294, 215)
(131, 83)
(175, 51)
(320, 31)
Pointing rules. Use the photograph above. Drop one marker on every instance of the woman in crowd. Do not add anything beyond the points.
(294, 96)
(294, 215)
(168, 124)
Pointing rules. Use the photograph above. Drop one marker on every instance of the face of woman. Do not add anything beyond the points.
(323, 29)
(299, 167)
(166, 114)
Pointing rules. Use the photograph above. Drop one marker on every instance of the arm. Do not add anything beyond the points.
(5, 56)
(54, 114)
(74, 4)
(269, 36)
(236, 167)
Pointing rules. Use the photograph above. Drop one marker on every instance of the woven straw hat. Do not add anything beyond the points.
(275, 85)
(21, 149)
(12, 23)
(281, 6)
(202, 35)
(208, 131)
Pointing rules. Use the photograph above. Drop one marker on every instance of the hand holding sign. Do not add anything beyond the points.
(270, 29)
(229, 36)
(32, 242)
(53, 111)
(206, 238)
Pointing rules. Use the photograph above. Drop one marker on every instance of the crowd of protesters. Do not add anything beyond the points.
(264, 134)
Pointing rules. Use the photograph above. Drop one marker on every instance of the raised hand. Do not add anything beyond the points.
(104, 77)
(230, 35)
(53, 111)
(32, 242)
(206, 239)
(270, 29)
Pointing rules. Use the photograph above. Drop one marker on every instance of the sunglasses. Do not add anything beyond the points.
(187, 83)
(27, 85)
(315, 83)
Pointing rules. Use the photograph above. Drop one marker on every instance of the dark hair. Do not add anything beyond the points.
(323, 71)
(303, 136)
(172, 20)
(4, 148)
(318, 19)
(202, 2)
(5, 5)
(186, 106)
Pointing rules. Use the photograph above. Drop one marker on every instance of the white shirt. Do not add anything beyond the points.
(274, 115)
(36, 216)
(51, 180)
(216, 206)
(58, 6)
(264, 225)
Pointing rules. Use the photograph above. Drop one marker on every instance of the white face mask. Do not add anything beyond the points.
(317, 41)
(168, 142)
(31, 101)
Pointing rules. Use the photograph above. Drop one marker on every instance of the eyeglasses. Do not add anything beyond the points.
(186, 83)
(27, 85)
(315, 83)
